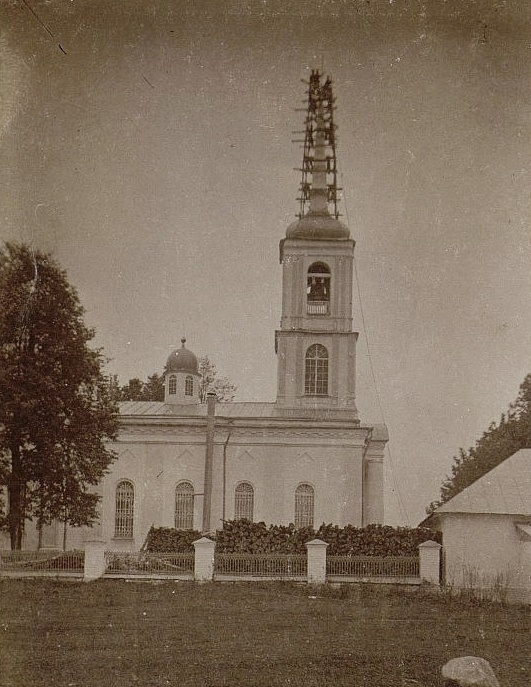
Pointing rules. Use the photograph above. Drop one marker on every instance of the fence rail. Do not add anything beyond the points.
(42, 562)
(317, 308)
(204, 565)
(149, 564)
(261, 565)
(373, 566)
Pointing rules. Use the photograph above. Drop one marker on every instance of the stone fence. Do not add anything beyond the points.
(315, 568)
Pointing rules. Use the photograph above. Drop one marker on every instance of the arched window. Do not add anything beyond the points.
(172, 385)
(318, 289)
(316, 371)
(304, 500)
(244, 501)
(189, 386)
(184, 506)
(124, 512)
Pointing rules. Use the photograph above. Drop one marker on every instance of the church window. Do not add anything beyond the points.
(172, 385)
(304, 502)
(318, 289)
(244, 501)
(125, 505)
(184, 506)
(316, 371)
(189, 386)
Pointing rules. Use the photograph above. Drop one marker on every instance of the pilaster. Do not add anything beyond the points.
(316, 549)
(430, 562)
(204, 559)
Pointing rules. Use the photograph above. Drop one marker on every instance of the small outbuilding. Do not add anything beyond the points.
(486, 532)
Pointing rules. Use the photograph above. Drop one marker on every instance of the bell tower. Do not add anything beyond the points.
(315, 345)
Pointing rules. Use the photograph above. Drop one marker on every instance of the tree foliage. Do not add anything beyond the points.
(211, 381)
(153, 388)
(500, 441)
(137, 390)
(56, 407)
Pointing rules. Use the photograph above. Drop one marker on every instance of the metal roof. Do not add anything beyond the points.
(248, 410)
(150, 408)
(506, 489)
(144, 408)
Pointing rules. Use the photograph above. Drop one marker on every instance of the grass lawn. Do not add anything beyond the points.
(121, 633)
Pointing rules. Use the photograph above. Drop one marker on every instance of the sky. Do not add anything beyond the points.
(148, 146)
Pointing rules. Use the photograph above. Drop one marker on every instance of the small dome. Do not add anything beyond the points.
(182, 360)
(318, 227)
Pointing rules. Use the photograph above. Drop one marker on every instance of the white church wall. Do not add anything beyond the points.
(155, 469)
(481, 550)
(274, 469)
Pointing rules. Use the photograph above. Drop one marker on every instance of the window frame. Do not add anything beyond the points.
(124, 510)
(244, 501)
(316, 370)
(183, 514)
(304, 505)
(172, 385)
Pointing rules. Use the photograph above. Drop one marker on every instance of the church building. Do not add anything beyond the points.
(304, 459)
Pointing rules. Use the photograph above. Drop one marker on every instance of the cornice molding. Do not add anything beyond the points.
(353, 437)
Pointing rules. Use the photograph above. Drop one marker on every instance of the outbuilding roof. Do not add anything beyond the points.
(506, 489)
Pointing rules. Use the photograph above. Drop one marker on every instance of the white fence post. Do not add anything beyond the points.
(316, 561)
(204, 559)
(94, 559)
(430, 562)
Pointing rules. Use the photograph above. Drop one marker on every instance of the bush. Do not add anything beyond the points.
(244, 536)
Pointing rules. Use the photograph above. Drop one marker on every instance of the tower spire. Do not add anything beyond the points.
(319, 190)
(315, 344)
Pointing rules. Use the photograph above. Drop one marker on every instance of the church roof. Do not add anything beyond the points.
(182, 360)
(150, 408)
(318, 227)
(506, 489)
(249, 410)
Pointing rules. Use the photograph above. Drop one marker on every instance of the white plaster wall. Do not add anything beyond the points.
(480, 550)
(276, 471)
(292, 347)
(523, 587)
(373, 501)
(155, 469)
(298, 255)
(53, 539)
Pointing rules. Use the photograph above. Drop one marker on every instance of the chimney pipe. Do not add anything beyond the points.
(209, 460)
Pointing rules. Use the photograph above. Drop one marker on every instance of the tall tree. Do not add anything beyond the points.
(137, 390)
(57, 411)
(133, 391)
(153, 389)
(500, 441)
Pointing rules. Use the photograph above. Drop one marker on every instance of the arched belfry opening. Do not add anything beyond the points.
(318, 289)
